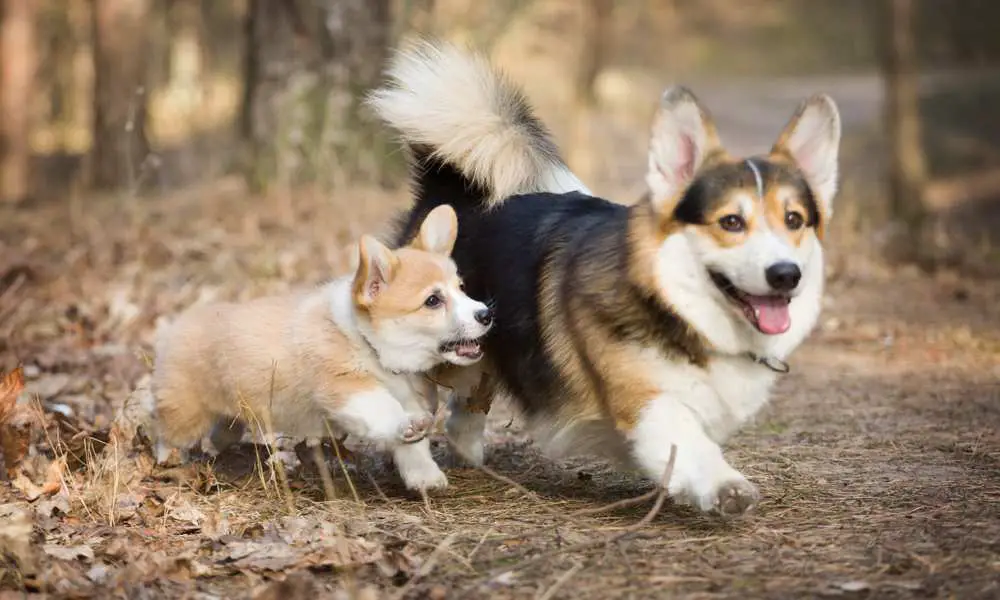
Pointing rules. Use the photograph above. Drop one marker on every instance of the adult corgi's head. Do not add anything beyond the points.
(750, 229)
(411, 302)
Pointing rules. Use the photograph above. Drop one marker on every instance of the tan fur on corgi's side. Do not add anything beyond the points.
(348, 357)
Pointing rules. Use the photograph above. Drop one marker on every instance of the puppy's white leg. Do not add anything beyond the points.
(375, 415)
(378, 416)
(466, 429)
(701, 474)
(417, 467)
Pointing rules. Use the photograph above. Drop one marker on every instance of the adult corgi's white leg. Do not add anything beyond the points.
(466, 429)
(701, 474)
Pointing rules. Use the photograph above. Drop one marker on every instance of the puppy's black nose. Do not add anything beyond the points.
(783, 276)
(484, 317)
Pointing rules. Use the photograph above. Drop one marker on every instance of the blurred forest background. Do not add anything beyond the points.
(156, 154)
(141, 97)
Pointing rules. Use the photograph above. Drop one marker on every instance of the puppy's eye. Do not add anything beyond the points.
(794, 220)
(434, 301)
(733, 223)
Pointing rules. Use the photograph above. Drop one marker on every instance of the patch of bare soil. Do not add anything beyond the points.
(878, 461)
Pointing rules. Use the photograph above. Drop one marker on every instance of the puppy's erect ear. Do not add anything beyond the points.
(438, 231)
(683, 135)
(376, 268)
(812, 139)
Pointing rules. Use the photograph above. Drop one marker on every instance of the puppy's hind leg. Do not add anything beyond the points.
(181, 422)
(225, 433)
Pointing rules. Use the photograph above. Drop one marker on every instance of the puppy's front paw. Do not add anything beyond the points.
(424, 477)
(733, 498)
(418, 427)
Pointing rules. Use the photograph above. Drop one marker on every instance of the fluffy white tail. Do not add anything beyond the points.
(470, 115)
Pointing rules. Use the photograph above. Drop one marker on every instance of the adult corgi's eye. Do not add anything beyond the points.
(434, 301)
(733, 223)
(794, 221)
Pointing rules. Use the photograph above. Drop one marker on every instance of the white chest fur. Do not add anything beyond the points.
(724, 396)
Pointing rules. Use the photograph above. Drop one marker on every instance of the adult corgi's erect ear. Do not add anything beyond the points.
(682, 137)
(812, 139)
(376, 268)
(438, 231)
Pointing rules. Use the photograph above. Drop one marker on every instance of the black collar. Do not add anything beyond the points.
(775, 364)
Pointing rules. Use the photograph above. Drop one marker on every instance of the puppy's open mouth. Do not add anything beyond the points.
(467, 348)
(769, 314)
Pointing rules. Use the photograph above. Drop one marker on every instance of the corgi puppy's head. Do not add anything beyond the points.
(750, 229)
(411, 304)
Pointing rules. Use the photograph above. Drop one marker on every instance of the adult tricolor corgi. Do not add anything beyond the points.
(620, 329)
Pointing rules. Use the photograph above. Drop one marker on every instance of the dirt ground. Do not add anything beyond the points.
(878, 460)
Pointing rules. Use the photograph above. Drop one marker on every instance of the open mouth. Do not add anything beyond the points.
(769, 314)
(468, 348)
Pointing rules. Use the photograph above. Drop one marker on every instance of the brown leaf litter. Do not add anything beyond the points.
(877, 461)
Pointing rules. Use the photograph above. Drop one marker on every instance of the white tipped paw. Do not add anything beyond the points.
(417, 467)
(418, 427)
(424, 477)
(731, 499)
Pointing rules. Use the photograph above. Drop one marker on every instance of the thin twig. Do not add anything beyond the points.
(551, 592)
(661, 497)
(572, 517)
(505, 480)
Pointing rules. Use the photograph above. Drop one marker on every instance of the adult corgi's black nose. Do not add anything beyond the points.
(484, 317)
(783, 276)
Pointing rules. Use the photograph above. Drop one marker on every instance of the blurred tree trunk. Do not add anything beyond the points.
(308, 66)
(121, 51)
(594, 40)
(415, 17)
(908, 163)
(18, 61)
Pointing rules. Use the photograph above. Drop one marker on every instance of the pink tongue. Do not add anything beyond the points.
(771, 314)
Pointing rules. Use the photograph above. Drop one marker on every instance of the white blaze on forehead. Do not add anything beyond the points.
(746, 205)
(757, 178)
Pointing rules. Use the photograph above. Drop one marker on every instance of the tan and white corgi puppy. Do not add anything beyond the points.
(348, 357)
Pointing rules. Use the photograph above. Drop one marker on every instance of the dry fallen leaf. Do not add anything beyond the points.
(52, 484)
(15, 536)
(69, 552)
(15, 433)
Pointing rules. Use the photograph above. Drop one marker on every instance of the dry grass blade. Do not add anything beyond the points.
(554, 588)
(427, 566)
(661, 497)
